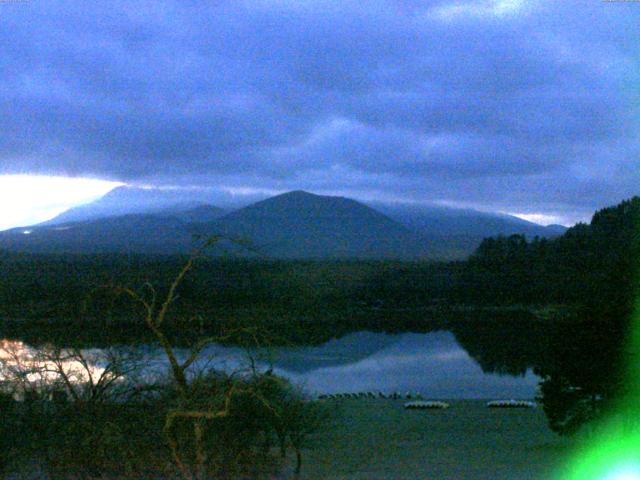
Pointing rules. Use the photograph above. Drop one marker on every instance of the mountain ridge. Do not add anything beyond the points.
(125, 200)
(295, 224)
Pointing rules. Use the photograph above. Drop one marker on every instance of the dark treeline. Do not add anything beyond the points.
(592, 266)
(49, 292)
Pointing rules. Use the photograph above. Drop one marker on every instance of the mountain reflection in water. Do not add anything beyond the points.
(431, 363)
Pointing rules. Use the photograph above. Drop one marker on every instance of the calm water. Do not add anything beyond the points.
(434, 364)
(431, 363)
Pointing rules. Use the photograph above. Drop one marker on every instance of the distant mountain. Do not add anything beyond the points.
(303, 225)
(455, 232)
(292, 225)
(124, 234)
(440, 220)
(554, 230)
(133, 200)
(199, 214)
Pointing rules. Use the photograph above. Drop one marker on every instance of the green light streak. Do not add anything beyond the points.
(614, 452)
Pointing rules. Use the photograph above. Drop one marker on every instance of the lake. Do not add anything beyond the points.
(434, 364)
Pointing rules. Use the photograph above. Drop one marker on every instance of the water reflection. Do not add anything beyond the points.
(24, 368)
(510, 348)
(434, 363)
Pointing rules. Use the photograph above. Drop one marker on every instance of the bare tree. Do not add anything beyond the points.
(190, 408)
(199, 413)
(82, 376)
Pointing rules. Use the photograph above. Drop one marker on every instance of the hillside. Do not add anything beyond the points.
(133, 200)
(124, 234)
(458, 232)
(292, 225)
(303, 225)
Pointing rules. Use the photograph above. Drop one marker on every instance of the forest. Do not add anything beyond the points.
(593, 266)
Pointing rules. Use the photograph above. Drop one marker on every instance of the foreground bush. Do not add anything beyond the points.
(266, 418)
(89, 417)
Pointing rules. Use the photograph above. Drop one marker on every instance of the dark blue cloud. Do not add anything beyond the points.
(522, 106)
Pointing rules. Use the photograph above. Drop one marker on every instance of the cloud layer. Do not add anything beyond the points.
(530, 107)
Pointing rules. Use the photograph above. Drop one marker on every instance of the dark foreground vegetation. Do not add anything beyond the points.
(106, 415)
(222, 428)
(74, 299)
(65, 288)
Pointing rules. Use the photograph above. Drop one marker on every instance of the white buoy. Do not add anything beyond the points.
(425, 405)
(510, 404)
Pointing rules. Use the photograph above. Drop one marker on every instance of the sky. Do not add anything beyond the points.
(526, 107)
(26, 200)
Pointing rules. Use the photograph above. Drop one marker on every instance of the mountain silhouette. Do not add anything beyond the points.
(292, 225)
(303, 225)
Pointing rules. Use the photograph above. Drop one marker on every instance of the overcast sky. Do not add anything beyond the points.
(529, 107)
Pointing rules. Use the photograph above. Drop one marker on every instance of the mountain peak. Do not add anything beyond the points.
(300, 204)
(303, 195)
(298, 193)
(300, 224)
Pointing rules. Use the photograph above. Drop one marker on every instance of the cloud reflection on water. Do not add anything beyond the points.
(433, 364)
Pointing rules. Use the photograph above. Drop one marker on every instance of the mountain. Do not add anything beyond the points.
(164, 232)
(440, 220)
(198, 214)
(456, 232)
(133, 200)
(554, 230)
(124, 234)
(291, 225)
(303, 225)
